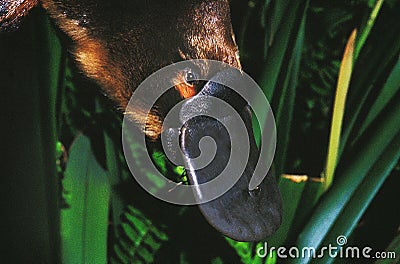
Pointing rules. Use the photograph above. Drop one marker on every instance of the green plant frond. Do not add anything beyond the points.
(84, 223)
(386, 94)
(367, 29)
(333, 203)
(394, 250)
(139, 239)
(338, 110)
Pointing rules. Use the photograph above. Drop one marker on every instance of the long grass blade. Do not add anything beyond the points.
(352, 175)
(365, 33)
(370, 69)
(360, 200)
(389, 90)
(284, 111)
(277, 51)
(346, 69)
(280, 7)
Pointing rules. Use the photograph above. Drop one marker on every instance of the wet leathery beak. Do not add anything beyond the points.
(240, 213)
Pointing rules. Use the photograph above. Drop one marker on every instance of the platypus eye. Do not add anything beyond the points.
(191, 77)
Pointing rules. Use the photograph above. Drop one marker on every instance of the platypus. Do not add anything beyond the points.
(120, 43)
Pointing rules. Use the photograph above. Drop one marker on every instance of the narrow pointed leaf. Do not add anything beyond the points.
(277, 52)
(352, 175)
(370, 23)
(345, 72)
(362, 197)
(287, 95)
(390, 88)
(364, 79)
(280, 7)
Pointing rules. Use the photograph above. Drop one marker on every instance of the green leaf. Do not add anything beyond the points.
(365, 33)
(84, 224)
(29, 73)
(291, 187)
(279, 9)
(338, 111)
(272, 259)
(291, 34)
(241, 35)
(138, 240)
(284, 111)
(310, 196)
(362, 197)
(394, 247)
(245, 251)
(373, 67)
(277, 51)
(388, 91)
(351, 176)
(115, 176)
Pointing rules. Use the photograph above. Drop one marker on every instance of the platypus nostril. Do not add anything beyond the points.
(256, 192)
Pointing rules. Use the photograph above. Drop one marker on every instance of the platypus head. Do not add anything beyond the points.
(120, 43)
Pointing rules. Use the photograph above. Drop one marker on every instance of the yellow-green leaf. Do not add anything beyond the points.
(345, 72)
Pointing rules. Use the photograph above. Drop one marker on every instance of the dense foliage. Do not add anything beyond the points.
(295, 52)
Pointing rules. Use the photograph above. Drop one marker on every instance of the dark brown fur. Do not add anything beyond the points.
(119, 43)
(12, 11)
